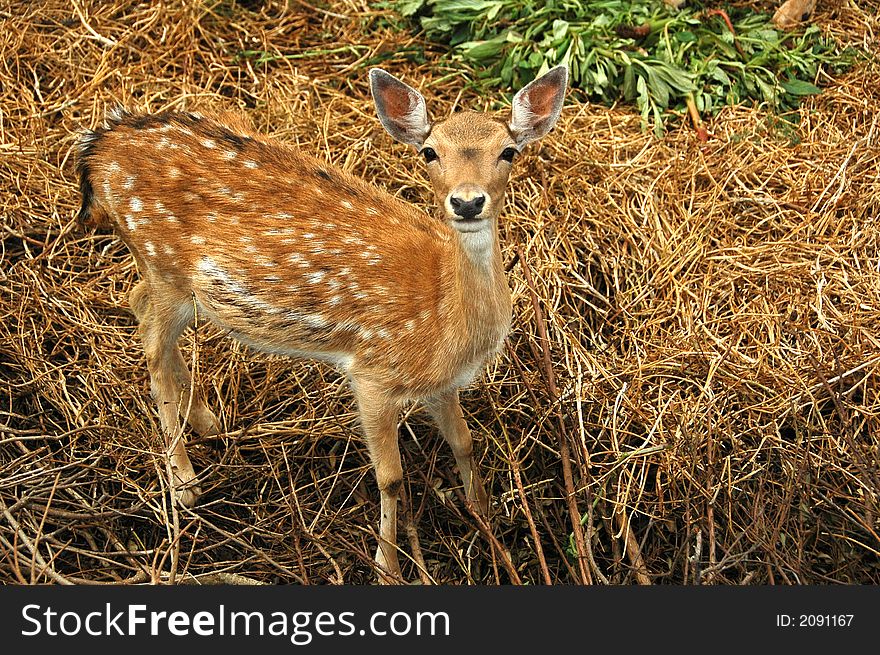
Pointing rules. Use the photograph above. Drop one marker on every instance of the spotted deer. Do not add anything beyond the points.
(291, 255)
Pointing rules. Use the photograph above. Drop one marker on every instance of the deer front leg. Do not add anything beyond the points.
(159, 327)
(190, 405)
(379, 416)
(446, 411)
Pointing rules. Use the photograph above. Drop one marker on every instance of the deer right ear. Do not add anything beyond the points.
(400, 107)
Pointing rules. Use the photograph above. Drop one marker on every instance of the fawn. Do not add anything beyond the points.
(294, 256)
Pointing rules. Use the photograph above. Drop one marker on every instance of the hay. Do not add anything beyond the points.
(709, 378)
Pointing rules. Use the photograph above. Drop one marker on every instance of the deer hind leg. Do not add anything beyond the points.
(379, 416)
(160, 325)
(446, 412)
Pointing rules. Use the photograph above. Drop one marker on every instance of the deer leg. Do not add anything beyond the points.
(446, 412)
(379, 416)
(160, 325)
(194, 409)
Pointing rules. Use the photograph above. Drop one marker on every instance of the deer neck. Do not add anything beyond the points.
(481, 284)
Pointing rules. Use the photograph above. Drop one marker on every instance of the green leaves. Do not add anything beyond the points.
(637, 50)
(800, 88)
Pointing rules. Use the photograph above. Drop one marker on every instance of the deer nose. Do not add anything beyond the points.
(467, 208)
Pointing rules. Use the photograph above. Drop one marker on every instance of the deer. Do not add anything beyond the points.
(291, 255)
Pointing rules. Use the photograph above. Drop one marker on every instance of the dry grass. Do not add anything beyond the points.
(710, 377)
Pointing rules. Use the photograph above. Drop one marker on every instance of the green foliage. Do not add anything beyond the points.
(641, 51)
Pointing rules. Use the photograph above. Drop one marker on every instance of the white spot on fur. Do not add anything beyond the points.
(316, 277)
(250, 163)
(335, 300)
(230, 154)
(315, 320)
(372, 211)
(209, 143)
(410, 325)
(150, 248)
(347, 204)
(197, 240)
(272, 278)
(129, 222)
(210, 267)
(174, 172)
(128, 185)
(168, 250)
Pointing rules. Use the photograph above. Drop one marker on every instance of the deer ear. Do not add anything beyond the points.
(537, 106)
(400, 107)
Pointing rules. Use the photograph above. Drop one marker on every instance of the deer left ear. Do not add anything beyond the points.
(400, 107)
(536, 107)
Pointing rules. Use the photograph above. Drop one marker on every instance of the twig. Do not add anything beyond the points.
(514, 465)
(633, 552)
(729, 23)
(484, 527)
(91, 30)
(702, 133)
(564, 455)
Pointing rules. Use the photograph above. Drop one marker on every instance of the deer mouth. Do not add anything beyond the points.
(470, 224)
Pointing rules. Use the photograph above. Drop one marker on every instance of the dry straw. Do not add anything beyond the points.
(703, 409)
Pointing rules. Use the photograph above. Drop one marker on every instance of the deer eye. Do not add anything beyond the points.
(508, 154)
(429, 154)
